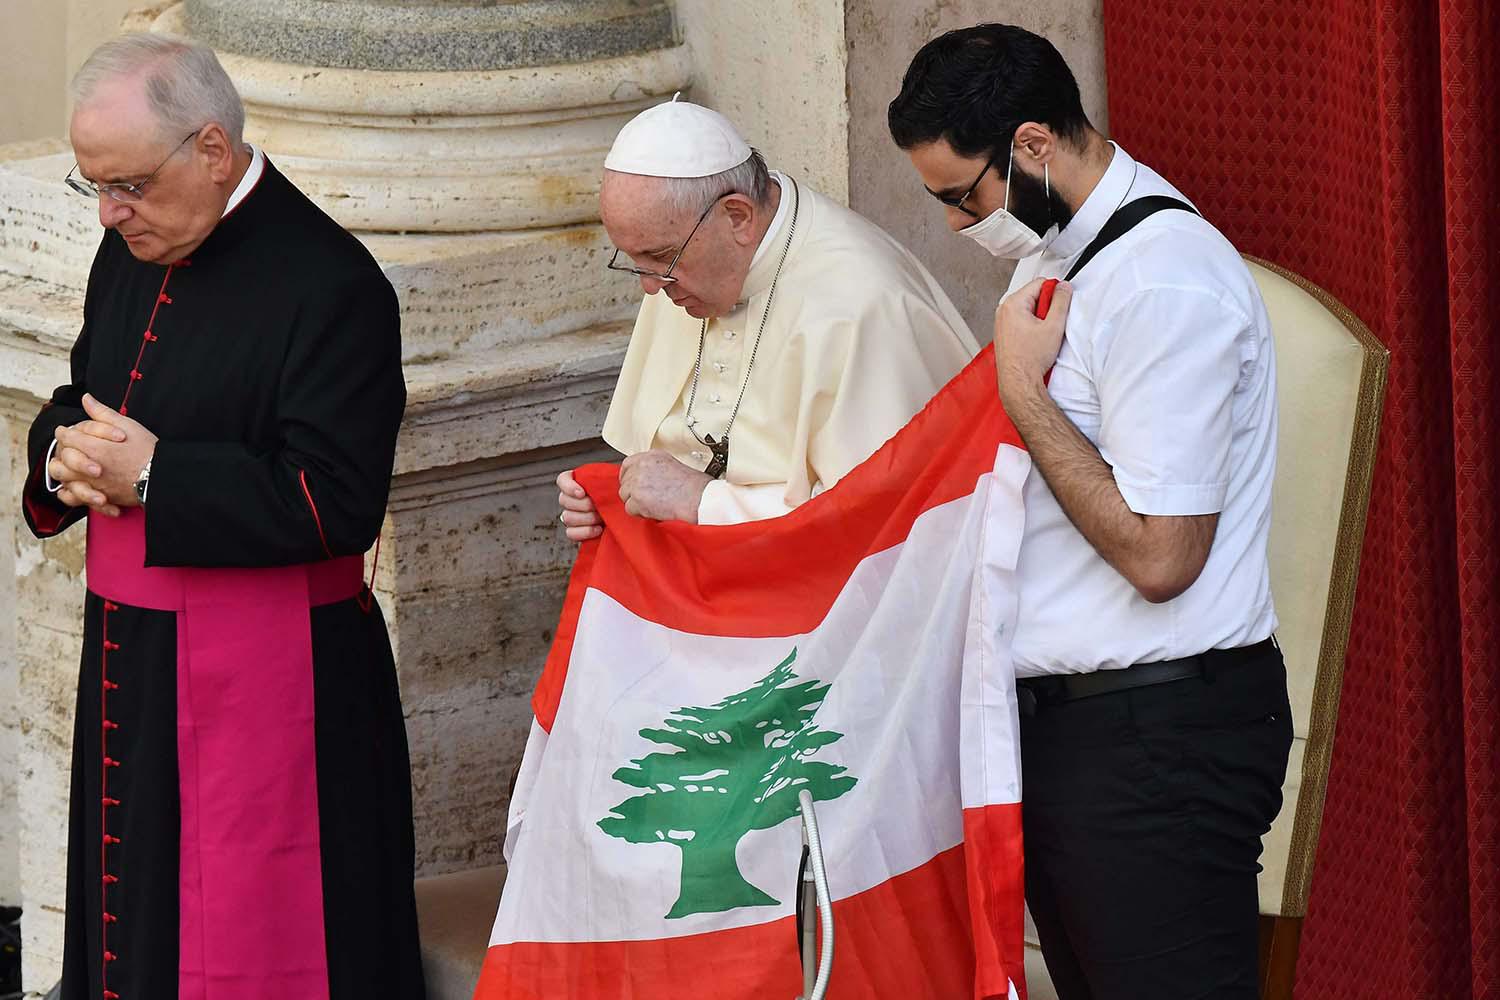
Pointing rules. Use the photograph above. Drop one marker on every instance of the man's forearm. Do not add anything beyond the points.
(1082, 481)
(1159, 563)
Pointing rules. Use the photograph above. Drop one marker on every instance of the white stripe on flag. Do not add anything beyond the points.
(908, 632)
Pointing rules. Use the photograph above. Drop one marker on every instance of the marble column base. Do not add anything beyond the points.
(424, 35)
(461, 293)
(391, 151)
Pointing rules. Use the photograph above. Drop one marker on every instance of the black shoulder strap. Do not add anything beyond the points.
(1126, 218)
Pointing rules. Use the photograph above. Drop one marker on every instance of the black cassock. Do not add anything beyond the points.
(269, 365)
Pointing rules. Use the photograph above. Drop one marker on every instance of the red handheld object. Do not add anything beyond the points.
(1044, 298)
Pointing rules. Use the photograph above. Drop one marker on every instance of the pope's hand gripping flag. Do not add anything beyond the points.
(857, 648)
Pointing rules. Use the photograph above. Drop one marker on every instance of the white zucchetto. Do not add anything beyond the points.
(677, 139)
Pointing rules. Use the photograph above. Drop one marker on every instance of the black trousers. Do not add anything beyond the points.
(1144, 811)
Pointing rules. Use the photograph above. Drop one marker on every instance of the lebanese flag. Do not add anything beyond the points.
(701, 677)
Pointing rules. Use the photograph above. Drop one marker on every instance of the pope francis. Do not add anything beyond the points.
(782, 338)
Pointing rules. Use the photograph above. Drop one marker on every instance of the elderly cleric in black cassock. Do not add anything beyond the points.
(240, 817)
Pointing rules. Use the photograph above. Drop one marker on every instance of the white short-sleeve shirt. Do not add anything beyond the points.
(1168, 368)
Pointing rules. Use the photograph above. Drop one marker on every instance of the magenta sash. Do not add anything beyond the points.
(250, 882)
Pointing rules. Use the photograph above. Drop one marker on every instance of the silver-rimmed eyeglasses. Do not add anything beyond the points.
(665, 277)
(119, 190)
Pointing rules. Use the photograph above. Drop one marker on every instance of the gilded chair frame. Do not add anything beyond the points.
(1281, 930)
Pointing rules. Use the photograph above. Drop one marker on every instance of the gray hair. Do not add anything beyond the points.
(691, 195)
(185, 85)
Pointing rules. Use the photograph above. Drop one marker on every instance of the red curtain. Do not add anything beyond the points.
(1357, 142)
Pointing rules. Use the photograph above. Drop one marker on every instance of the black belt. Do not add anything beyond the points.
(1054, 689)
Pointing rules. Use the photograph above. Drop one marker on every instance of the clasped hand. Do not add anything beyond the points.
(653, 485)
(1026, 347)
(97, 460)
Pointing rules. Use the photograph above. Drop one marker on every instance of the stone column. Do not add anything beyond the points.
(463, 141)
(40, 641)
(454, 116)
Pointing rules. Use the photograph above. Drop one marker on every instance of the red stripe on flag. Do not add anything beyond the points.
(993, 851)
(548, 693)
(780, 577)
(906, 938)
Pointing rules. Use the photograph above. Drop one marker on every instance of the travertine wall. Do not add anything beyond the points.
(35, 618)
(32, 48)
(808, 82)
(44, 586)
(777, 69)
(94, 22)
(42, 43)
(10, 737)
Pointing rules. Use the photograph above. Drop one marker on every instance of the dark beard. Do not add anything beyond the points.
(1031, 202)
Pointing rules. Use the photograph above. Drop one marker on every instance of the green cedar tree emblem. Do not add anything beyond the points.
(737, 767)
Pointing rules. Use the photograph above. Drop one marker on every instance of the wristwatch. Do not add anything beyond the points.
(142, 481)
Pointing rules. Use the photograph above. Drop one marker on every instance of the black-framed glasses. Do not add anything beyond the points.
(665, 277)
(120, 191)
(958, 202)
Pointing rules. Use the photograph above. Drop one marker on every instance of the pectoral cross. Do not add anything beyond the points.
(720, 461)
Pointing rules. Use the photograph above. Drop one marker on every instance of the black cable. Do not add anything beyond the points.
(802, 898)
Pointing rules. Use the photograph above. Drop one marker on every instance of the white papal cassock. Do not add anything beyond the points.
(860, 336)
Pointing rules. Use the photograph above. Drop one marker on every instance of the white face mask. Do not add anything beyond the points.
(1004, 235)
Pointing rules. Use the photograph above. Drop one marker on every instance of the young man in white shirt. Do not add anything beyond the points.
(1155, 726)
